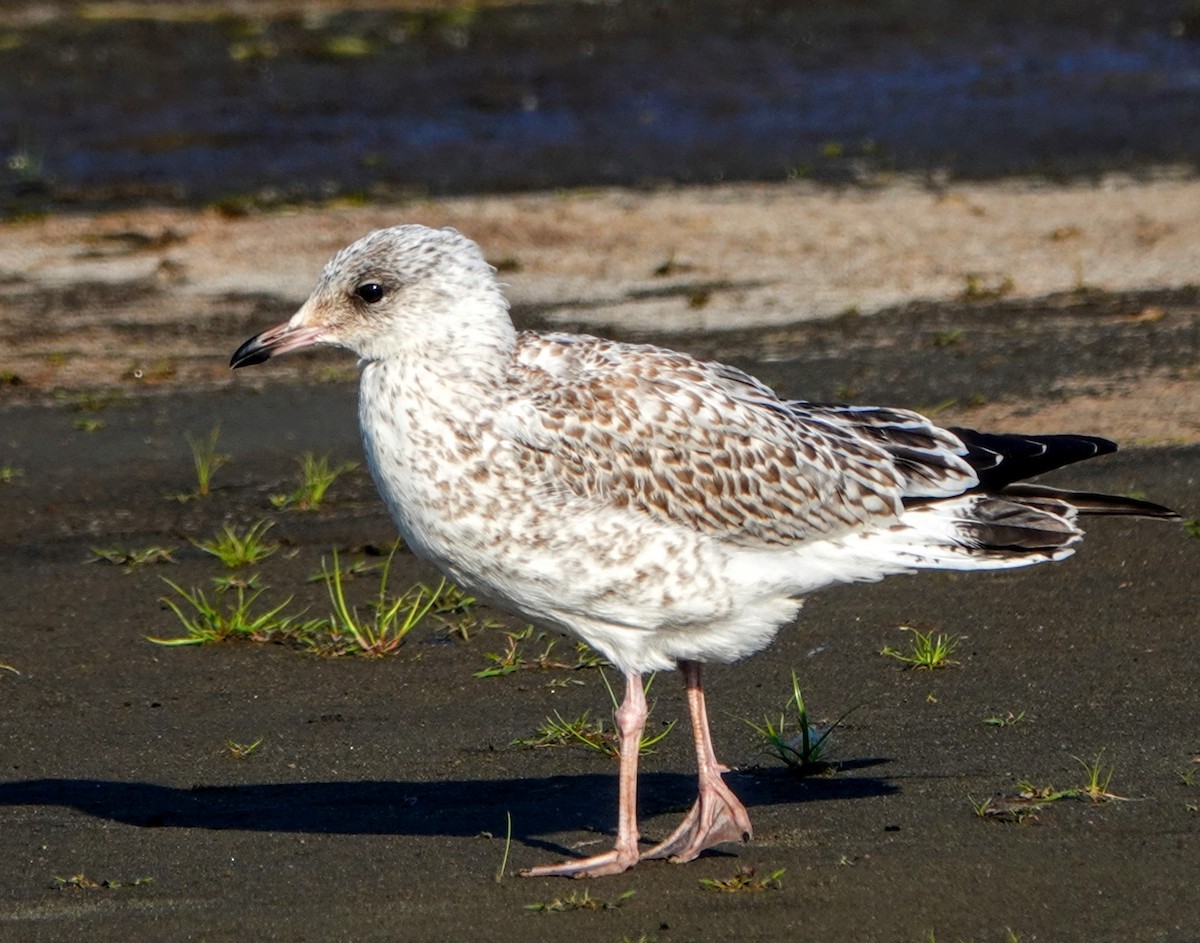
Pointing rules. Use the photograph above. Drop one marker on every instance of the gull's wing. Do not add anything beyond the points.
(705, 446)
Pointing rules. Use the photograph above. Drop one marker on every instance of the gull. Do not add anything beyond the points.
(667, 510)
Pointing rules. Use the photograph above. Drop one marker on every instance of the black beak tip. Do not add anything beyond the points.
(249, 354)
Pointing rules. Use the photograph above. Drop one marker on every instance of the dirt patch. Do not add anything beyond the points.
(991, 294)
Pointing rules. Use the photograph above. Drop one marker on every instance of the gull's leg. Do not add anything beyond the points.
(718, 816)
(631, 721)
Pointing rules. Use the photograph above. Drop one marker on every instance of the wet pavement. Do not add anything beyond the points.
(106, 104)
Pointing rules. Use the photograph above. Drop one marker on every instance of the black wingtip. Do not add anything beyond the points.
(1000, 459)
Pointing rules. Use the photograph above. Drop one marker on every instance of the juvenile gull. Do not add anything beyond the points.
(669, 511)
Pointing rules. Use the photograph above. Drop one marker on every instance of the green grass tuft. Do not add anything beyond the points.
(745, 881)
(204, 622)
(317, 475)
(578, 900)
(240, 548)
(131, 558)
(206, 459)
(560, 732)
(1098, 779)
(802, 751)
(557, 731)
(927, 651)
(390, 619)
(515, 657)
(242, 751)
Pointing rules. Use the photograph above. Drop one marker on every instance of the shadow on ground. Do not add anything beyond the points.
(450, 807)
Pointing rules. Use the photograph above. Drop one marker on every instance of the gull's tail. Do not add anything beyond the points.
(1004, 522)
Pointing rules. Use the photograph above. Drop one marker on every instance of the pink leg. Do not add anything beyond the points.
(631, 721)
(718, 816)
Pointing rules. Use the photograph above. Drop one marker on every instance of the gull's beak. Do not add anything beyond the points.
(275, 340)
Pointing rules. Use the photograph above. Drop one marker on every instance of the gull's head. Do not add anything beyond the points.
(394, 293)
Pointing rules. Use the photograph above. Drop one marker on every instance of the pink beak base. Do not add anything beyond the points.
(274, 340)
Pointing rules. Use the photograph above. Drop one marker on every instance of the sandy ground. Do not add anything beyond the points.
(153, 297)
(776, 254)
(373, 808)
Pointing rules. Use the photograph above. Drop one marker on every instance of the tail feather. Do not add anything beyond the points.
(977, 532)
(1090, 502)
(1019, 526)
(997, 523)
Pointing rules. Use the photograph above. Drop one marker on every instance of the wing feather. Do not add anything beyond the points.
(706, 446)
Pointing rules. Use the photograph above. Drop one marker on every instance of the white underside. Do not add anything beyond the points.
(769, 587)
(731, 601)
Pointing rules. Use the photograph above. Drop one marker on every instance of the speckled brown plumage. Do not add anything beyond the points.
(667, 510)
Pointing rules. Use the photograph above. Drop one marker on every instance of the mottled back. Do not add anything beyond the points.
(706, 446)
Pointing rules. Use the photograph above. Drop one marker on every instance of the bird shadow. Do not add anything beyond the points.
(538, 806)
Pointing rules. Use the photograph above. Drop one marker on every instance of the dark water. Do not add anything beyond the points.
(385, 103)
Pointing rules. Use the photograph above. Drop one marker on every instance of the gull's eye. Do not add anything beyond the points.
(370, 292)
